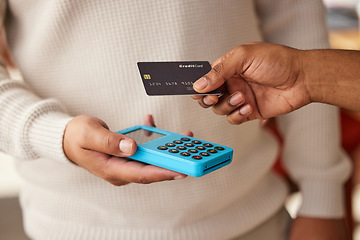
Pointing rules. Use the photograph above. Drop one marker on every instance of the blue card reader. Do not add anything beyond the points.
(177, 152)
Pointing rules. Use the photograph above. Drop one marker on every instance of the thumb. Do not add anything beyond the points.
(105, 141)
(232, 65)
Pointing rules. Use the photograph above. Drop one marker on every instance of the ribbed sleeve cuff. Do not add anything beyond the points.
(46, 135)
(322, 199)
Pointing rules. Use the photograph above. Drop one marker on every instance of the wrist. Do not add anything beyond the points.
(309, 72)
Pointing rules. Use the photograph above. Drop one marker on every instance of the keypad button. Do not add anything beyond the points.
(196, 142)
(204, 154)
(185, 154)
(189, 144)
(181, 147)
(162, 148)
(173, 150)
(197, 157)
(170, 145)
(200, 148)
(192, 150)
(212, 151)
(177, 141)
(219, 148)
(207, 145)
(185, 139)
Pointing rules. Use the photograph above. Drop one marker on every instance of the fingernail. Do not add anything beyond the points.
(207, 101)
(200, 84)
(126, 146)
(245, 110)
(179, 177)
(236, 99)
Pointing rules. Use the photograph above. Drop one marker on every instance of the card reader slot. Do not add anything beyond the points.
(217, 165)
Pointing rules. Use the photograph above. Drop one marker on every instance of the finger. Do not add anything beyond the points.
(120, 171)
(149, 120)
(228, 104)
(208, 100)
(102, 140)
(137, 172)
(201, 103)
(197, 97)
(222, 71)
(188, 133)
(241, 115)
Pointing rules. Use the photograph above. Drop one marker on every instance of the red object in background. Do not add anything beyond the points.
(350, 140)
(350, 129)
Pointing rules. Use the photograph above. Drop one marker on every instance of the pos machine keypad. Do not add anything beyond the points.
(187, 148)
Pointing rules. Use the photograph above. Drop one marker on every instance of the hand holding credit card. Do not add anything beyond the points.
(173, 78)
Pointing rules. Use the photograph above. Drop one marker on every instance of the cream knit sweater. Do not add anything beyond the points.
(79, 57)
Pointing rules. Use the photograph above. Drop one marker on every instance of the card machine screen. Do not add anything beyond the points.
(143, 136)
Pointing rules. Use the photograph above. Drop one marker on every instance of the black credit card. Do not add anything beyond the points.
(173, 78)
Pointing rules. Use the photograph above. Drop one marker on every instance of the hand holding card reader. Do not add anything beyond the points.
(177, 152)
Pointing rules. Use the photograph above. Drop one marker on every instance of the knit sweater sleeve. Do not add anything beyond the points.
(30, 127)
(312, 154)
